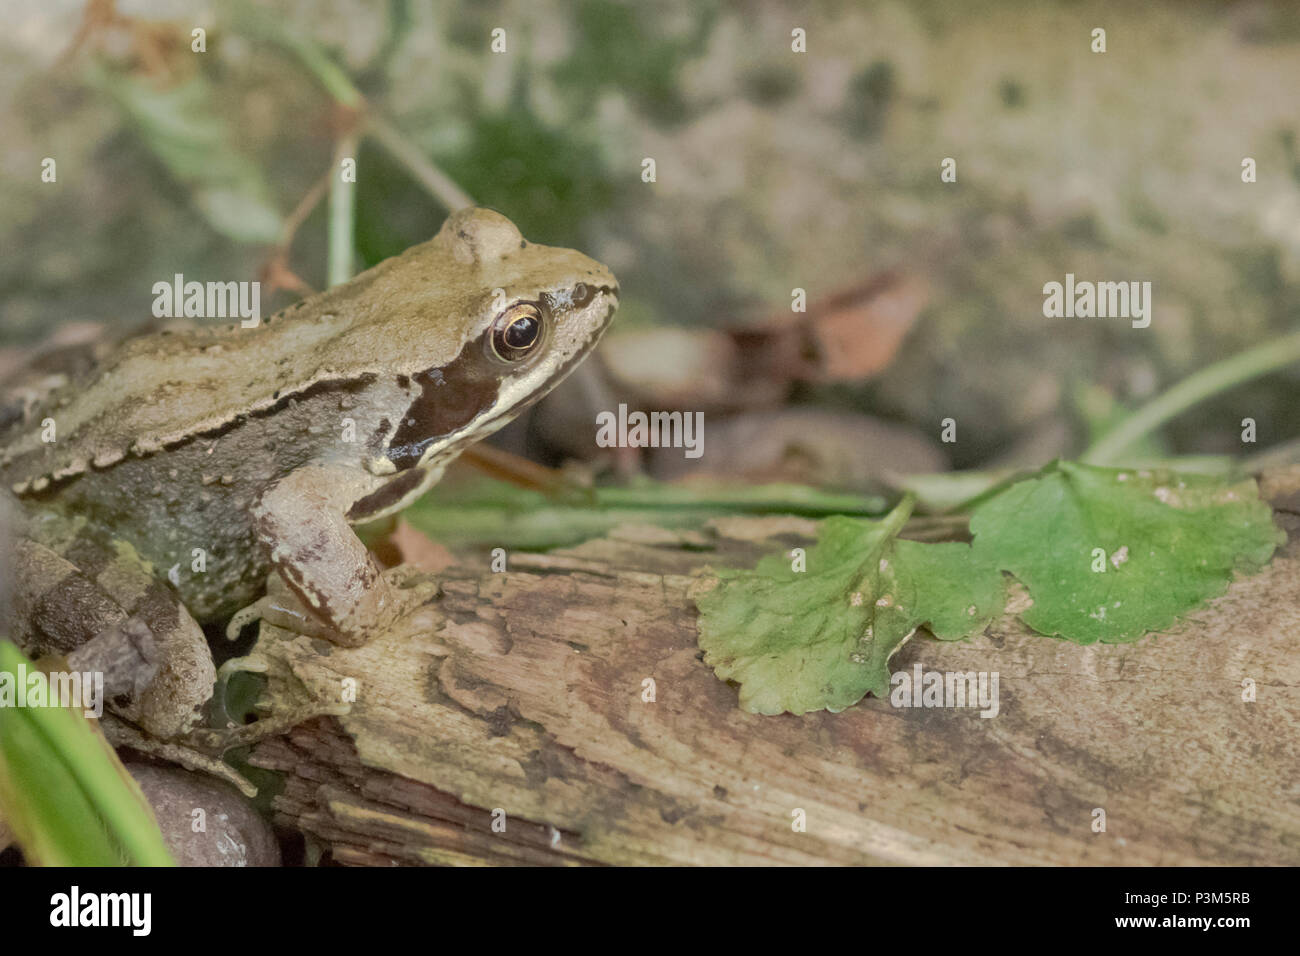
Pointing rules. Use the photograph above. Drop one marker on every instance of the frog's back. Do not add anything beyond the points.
(150, 392)
(159, 390)
(114, 465)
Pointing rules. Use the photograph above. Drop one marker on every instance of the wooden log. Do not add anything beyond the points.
(523, 692)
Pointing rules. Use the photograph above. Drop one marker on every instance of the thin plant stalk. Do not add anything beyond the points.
(437, 183)
(1196, 388)
(342, 212)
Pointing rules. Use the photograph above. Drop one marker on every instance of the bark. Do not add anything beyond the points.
(523, 692)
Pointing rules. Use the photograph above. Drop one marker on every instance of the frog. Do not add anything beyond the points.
(157, 488)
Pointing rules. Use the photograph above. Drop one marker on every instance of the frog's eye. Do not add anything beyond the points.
(517, 332)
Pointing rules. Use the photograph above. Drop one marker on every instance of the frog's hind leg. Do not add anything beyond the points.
(56, 608)
(75, 597)
(59, 610)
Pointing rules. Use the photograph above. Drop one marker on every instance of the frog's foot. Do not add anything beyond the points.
(393, 594)
(119, 733)
(217, 739)
(281, 607)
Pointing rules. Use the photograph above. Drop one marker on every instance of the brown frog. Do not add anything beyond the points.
(159, 487)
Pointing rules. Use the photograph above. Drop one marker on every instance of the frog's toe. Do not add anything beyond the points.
(214, 740)
(249, 664)
(406, 589)
(246, 616)
(280, 607)
(413, 586)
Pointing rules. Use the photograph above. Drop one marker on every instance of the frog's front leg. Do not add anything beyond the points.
(342, 592)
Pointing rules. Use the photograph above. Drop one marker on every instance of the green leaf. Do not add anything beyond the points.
(821, 638)
(1167, 542)
(182, 127)
(63, 792)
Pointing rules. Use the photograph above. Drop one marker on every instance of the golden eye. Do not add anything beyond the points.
(517, 331)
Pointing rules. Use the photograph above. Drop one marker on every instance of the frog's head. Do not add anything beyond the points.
(523, 316)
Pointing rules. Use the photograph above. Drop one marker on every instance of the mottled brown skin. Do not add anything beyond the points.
(261, 447)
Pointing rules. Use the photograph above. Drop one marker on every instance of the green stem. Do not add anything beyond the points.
(755, 499)
(336, 82)
(897, 519)
(439, 185)
(1206, 383)
(342, 213)
(328, 73)
(340, 87)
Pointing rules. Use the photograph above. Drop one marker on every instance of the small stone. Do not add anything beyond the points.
(234, 833)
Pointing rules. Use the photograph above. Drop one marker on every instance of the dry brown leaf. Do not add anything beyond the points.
(857, 332)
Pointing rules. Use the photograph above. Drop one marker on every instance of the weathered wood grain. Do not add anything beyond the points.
(523, 691)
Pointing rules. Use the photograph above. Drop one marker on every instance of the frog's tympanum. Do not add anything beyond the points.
(160, 486)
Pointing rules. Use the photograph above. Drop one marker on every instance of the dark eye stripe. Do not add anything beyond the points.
(450, 398)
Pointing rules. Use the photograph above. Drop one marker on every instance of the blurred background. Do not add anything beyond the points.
(774, 171)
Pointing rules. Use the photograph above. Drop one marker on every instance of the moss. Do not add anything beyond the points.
(870, 96)
(1011, 93)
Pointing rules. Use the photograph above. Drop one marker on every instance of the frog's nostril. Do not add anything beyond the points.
(584, 292)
